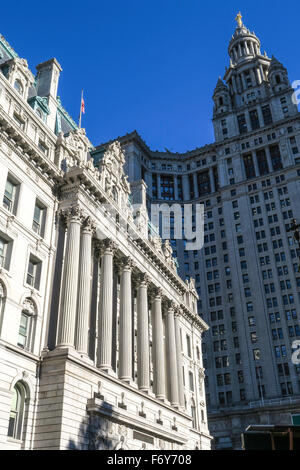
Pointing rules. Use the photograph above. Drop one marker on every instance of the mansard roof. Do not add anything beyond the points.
(64, 123)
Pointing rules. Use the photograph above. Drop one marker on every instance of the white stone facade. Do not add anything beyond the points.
(94, 319)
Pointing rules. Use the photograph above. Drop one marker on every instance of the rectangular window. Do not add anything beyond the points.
(262, 162)
(267, 115)
(188, 342)
(276, 157)
(24, 331)
(5, 251)
(167, 187)
(34, 272)
(249, 166)
(39, 217)
(242, 124)
(11, 192)
(203, 183)
(191, 381)
(254, 119)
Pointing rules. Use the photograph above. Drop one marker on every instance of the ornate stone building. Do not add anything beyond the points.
(100, 340)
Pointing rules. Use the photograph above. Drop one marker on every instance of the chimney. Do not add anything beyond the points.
(47, 84)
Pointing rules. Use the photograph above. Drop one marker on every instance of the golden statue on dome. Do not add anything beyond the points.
(238, 19)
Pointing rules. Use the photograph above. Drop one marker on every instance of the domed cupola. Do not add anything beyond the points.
(244, 45)
(221, 98)
(278, 76)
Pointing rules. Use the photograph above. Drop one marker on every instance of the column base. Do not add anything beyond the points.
(126, 380)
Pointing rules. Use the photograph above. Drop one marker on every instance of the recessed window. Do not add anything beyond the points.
(5, 251)
(26, 326)
(39, 218)
(34, 272)
(17, 411)
(11, 192)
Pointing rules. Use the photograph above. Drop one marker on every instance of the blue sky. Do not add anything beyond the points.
(149, 65)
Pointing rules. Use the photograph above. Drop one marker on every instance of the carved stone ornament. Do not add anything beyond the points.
(89, 225)
(72, 214)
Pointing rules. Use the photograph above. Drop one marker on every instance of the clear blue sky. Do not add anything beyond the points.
(149, 65)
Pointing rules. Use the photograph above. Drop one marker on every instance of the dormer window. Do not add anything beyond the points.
(19, 87)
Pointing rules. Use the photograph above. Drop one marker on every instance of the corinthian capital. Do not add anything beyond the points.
(72, 214)
(156, 293)
(106, 246)
(88, 225)
(126, 263)
(142, 279)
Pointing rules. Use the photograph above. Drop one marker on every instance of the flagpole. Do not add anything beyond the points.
(80, 109)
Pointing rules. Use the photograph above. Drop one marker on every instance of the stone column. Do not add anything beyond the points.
(269, 159)
(158, 346)
(254, 79)
(104, 360)
(171, 356)
(234, 84)
(84, 287)
(185, 188)
(179, 360)
(125, 330)
(143, 345)
(158, 186)
(253, 153)
(67, 320)
(212, 180)
(196, 189)
(175, 187)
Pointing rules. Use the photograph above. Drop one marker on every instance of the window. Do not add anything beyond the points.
(267, 115)
(256, 354)
(26, 327)
(17, 411)
(18, 86)
(39, 217)
(188, 342)
(242, 124)
(254, 119)
(5, 251)
(34, 272)
(276, 157)
(194, 416)
(11, 195)
(249, 166)
(191, 381)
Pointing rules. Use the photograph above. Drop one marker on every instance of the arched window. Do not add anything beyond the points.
(16, 416)
(221, 102)
(27, 324)
(18, 86)
(277, 78)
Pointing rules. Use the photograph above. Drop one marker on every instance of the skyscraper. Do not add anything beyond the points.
(247, 273)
